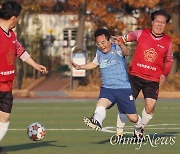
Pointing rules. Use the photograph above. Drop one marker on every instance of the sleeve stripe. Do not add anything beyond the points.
(124, 38)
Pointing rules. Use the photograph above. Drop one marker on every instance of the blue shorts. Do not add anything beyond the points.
(123, 98)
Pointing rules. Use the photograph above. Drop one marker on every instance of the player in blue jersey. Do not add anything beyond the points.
(115, 83)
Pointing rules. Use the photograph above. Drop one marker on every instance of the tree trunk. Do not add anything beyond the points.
(80, 31)
(18, 66)
(19, 74)
(176, 22)
(81, 27)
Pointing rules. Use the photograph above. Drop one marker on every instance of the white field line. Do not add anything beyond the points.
(107, 130)
(58, 108)
(103, 129)
(157, 125)
(112, 129)
(56, 129)
(55, 108)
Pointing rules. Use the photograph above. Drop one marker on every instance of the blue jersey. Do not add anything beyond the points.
(112, 68)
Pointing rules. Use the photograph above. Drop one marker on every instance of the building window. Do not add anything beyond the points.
(70, 36)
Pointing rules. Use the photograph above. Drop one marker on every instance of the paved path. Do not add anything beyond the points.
(54, 82)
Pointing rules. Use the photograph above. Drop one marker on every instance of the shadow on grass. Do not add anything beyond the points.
(29, 146)
(165, 134)
(104, 141)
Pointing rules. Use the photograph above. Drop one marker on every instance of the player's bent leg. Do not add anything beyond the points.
(99, 115)
(104, 102)
(4, 123)
(137, 123)
(4, 117)
(148, 111)
(146, 118)
(150, 105)
(3, 129)
(121, 121)
(100, 112)
(133, 117)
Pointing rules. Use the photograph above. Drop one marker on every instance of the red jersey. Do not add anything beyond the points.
(9, 49)
(152, 56)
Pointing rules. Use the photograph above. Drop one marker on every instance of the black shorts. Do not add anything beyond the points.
(6, 101)
(150, 89)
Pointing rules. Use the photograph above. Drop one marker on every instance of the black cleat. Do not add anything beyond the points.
(91, 122)
(139, 137)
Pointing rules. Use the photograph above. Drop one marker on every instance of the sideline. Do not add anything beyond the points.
(79, 94)
(82, 100)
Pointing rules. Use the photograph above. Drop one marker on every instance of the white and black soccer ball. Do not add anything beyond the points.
(36, 131)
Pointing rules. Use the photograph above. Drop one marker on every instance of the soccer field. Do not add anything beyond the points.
(67, 134)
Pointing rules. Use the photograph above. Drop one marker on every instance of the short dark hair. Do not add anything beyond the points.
(161, 12)
(102, 31)
(9, 9)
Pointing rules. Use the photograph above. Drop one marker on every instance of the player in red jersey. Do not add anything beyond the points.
(10, 48)
(150, 66)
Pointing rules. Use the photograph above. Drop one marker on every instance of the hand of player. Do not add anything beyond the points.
(42, 69)
(162, 79)
(76, 66)
(115, 40)
(118, 42)
(37, 66)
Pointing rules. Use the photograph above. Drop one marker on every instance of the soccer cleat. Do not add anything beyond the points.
(91, 122)
(118, 138)
(142, 134)
(139, 137)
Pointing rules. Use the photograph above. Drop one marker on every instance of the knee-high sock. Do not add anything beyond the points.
(100, 114)
(3, 129)
(146, 117)
(121, 121)
(138, 125)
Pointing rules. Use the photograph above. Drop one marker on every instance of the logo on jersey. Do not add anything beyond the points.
(160, 46)
(150, 55)
(10, 57)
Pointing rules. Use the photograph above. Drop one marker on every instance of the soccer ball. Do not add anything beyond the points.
(36, 131)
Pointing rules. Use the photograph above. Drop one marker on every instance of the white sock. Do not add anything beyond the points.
(138, 125)
(146, 117)
(100, 114)
(3, 129)
(121, 121)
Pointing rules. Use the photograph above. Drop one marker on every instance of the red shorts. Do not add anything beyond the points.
(6, 101)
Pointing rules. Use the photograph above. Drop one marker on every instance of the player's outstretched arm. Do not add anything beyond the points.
(76, 66)
(37, 66)
(87, 66)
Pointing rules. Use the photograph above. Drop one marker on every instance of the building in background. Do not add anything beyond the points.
(59, 32)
